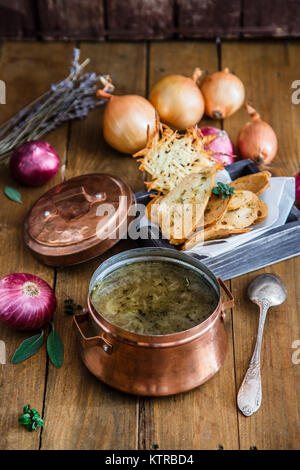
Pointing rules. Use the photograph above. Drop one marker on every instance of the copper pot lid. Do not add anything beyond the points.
(79, 219)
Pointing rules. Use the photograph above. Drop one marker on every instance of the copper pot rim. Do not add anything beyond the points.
(155, 341)
(171, 339)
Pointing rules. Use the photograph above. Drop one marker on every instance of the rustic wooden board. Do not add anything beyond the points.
(76, 19)
(272, 18)
(81, 412)
(204, 418)
(17, 19)
(147, 19)
(24, 383)
(208, 19)
(140, 19)
(268, 70)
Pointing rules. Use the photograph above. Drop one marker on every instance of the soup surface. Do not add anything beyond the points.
(154, 298)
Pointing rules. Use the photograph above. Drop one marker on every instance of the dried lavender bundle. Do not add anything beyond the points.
(71, 98)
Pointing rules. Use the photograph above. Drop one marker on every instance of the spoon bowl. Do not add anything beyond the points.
(269, 287)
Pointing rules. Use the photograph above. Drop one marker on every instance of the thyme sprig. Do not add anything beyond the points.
(70, 307)
(223, 189)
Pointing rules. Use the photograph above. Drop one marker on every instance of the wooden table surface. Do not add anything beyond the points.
(79, 411)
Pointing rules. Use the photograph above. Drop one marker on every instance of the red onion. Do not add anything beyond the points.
(26, 301)
(221, 146)
(298, 189)
(34, 163)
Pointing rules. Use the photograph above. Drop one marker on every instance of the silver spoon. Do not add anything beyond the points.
(266, 291)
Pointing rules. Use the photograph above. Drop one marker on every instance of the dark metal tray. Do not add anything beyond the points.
(271, 247)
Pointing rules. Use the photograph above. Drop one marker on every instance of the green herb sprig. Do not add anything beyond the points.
(31, 418)
(223, 189)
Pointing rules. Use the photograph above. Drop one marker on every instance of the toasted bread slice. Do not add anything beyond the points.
(262, 212)
(170, 156)
(182, 209)
(256, 183)
(242, 217)
(151, 210)
(215, 209)
(240, 198)
(212, 233)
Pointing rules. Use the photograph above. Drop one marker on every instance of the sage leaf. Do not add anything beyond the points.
(28, 348)
(55, 348)
(13, 194)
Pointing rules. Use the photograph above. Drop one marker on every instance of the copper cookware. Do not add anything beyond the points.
(153, 365)
(78, 219)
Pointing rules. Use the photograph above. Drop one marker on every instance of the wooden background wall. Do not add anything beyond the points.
(147, 19)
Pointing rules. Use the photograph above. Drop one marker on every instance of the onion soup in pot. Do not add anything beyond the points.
(154, 298)
(154, 323)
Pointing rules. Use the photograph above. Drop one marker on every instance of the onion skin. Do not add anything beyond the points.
(27, 302)
(126, 122)
(221, 146)
(257, 140)
(34, 163)
(297, 182)
(178, 100)
(223, 93)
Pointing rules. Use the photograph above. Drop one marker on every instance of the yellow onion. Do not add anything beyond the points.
(178, 100)
(256, 139)
(127, 121)
(223, 93)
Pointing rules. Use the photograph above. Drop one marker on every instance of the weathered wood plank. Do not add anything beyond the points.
(208, 19)
(25, 382)
(17, 19)
(204, 418)
(81, 412)
(142, 19)
(76, 19)
(269, 18)
(267, 70)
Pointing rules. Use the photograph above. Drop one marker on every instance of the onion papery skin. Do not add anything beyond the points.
(224, 94)
(127, 121)
(221, 146)
(178, 101)
(257, 140)
(19, 309)
(34, 163)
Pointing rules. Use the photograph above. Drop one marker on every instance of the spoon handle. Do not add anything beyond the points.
(250, 393)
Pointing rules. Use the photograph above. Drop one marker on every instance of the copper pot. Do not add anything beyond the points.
(153, 365)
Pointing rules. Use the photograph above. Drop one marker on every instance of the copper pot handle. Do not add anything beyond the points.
(75, 202)
(229, 303)
(73, 192)
(92, 341)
